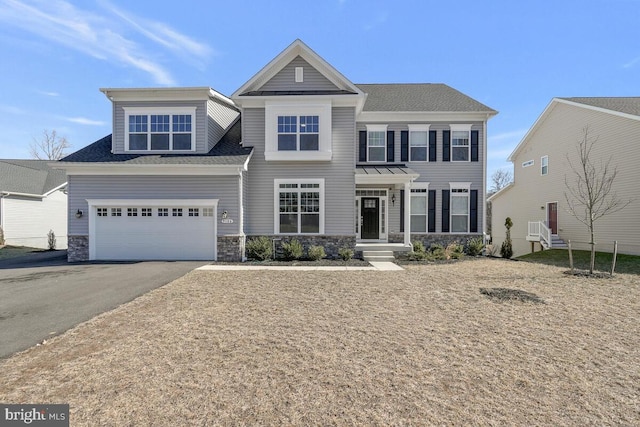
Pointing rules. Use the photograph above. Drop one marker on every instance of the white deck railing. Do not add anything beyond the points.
(539, 230)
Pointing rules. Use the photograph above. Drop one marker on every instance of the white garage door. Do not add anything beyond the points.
(142, 230)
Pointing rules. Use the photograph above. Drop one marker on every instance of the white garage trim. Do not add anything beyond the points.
(169, 203)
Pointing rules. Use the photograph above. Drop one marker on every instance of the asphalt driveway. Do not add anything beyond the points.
(42, 295)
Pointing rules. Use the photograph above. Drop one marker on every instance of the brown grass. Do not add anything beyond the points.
(419, 347)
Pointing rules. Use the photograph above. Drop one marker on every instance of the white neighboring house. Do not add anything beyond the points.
(33, 200)
(536, 200)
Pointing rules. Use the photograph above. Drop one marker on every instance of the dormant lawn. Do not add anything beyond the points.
(419, 347)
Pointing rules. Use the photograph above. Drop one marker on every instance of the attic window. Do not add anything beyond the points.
(160, 129)
(299, 74)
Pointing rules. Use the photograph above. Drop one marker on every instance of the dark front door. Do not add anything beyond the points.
(370, 212)
(552, 220)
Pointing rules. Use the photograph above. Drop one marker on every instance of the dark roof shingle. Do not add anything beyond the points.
(628, 105)
(419, 97)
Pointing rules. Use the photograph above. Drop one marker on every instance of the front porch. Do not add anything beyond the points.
(381, 251)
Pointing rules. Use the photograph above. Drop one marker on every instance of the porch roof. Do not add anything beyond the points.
(384, 174)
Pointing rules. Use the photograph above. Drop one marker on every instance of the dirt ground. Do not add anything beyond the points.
(418, 347)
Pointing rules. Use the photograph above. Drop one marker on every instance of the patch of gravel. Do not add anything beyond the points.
(414, 347)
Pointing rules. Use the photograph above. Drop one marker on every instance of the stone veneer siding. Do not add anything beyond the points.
(331, 244)
(430, 239)
(231, 248)
(77, 248)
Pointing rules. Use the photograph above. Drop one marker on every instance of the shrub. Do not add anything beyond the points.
(316, 252)
(259, 248)
(51, 240)
(506, 250)
(345, 253)
(1, 236)
(416, 255)
(292, 250)
(437, 251)
(418, 247)
(474, 247)
(454, 251)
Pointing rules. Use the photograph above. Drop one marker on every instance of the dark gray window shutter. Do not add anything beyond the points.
(363, 146)
(390, 146)
(474, 145)
(404, 146)
(446, 143)
(432, 145)
(445, 211)
(473, 213)
(402, 211)
(431, 224)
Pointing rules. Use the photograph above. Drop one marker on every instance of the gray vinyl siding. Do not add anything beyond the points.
(81, 188)
(338, 174)
(285, 79)
(219, 118)
(119, 122)
(556, 136)
(438, 174)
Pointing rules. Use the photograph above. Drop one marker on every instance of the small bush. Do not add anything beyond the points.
(51, 240)
(1, 236)
(259, 248)
(345, 253)
(292, 250)
(506, 250)
(418, 247)
(454, 251)
(437, 252)
(416, 255)
(316, 252)
(474, 247)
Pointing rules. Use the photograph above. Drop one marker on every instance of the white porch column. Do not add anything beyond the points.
(407, 213)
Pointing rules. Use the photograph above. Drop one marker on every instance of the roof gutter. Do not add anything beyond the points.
(4, 194)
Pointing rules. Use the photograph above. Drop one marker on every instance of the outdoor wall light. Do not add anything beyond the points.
(393, 199)
(78, 213)
(225, 214)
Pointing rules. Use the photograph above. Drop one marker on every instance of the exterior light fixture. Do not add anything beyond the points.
(225, 214)
(78, 213)
(393, 199)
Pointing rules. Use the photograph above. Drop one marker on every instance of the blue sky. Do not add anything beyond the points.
(514, 56)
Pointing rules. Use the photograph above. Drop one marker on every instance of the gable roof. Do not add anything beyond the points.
(436, 97)
(227, 151)
(628, 107)
(32, 177)
(295, 49)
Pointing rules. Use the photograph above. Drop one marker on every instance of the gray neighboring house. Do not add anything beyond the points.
(298, 151)
(33, 200)
(536, 202)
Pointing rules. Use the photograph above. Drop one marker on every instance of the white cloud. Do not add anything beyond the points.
(85, 121)
(100, 37)
(515, 134)
(631, 63)
(10, 109)
(47, 93)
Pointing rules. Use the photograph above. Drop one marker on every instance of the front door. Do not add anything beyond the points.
(370, 213)
(552, 217)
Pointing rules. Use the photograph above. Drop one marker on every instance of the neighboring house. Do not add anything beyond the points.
(33, 200)
(536, 200)
(298, 151)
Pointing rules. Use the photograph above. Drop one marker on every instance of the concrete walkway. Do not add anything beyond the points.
(375, 266)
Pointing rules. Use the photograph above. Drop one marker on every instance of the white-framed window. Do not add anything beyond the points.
(207, 211)
(297, 131)
(145, 212)
(102, 212)
(116, 211)
(377, 143)
(544, 165)
(194, 211)
(163, 211)
(176, 212)
(459, 207)
(460, 143)
(299, 206)
(419, 207)
(160, 129)
(418, 143)
(132, 211)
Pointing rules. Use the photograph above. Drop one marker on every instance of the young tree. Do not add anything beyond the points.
(500, 179)
(590, 195)
(50, 147)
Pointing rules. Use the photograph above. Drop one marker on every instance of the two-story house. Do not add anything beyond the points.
(297, 151)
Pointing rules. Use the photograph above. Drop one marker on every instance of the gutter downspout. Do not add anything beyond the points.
(484, 179)
(241, 210)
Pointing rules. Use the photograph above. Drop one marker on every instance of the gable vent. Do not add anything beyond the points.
(299, 74)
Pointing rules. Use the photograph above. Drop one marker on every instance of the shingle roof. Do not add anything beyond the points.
(419, 97)
(227, 151)
(29, 176)
(628, 105)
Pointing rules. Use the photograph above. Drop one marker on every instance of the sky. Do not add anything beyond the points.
(513, 56)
